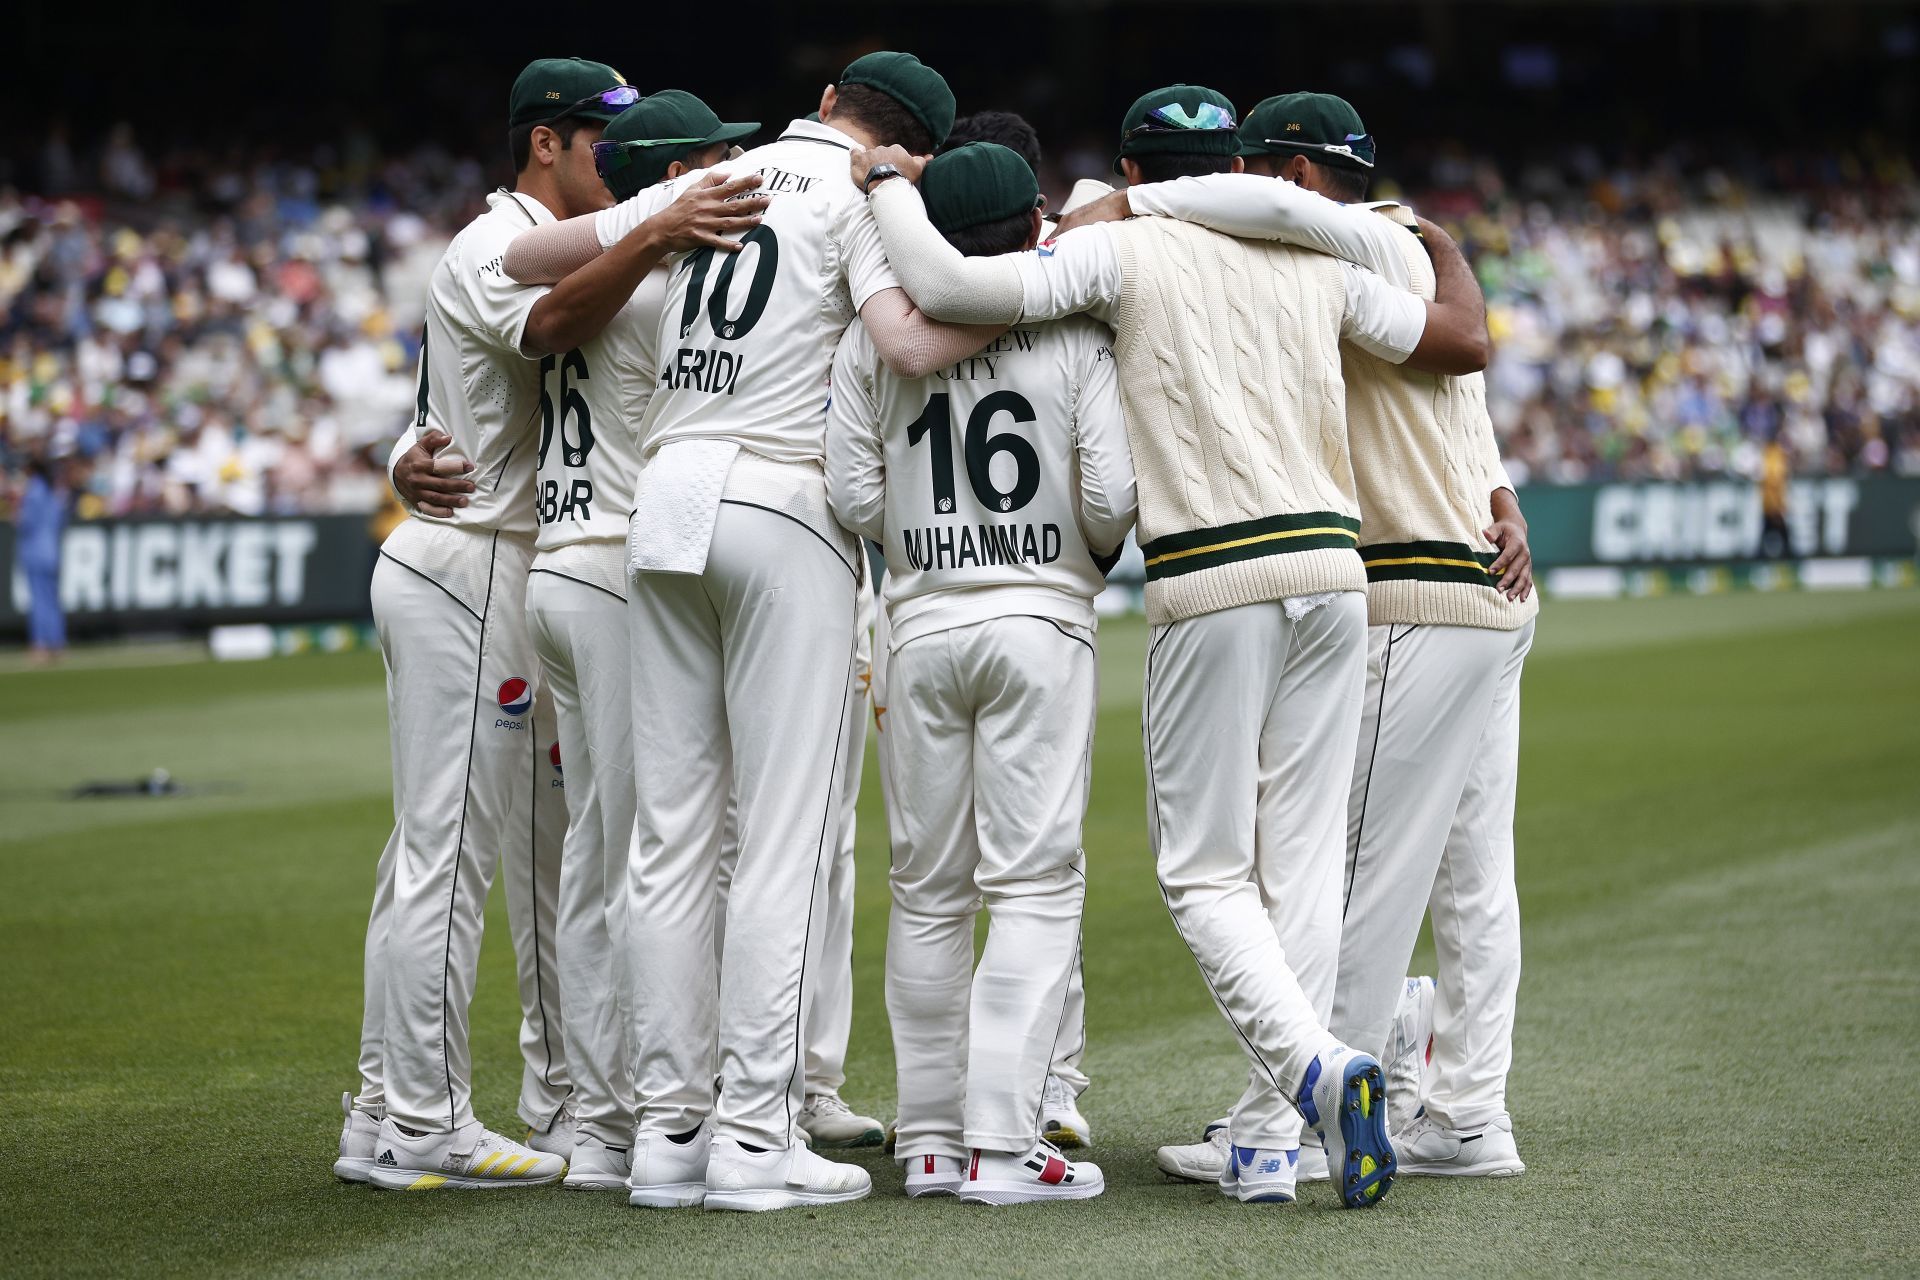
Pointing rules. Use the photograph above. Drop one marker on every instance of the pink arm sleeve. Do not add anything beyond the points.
(912, 344)
(548, 254)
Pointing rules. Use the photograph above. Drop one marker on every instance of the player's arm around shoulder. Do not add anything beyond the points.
(855, 457)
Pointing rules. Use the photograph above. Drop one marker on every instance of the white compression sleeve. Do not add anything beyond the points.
(911, 343)
(548, 254)
(943, 282)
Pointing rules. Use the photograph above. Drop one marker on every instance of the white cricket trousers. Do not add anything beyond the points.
(741, 676)
(471, 732)
(989, 742)
(580, 632)
(1250, 723)
(1430, 828)
(1072, 1044)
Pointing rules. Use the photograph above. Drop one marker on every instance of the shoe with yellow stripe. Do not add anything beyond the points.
(1344, 1100)
(473, 1159)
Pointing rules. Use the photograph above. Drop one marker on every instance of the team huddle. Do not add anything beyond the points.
(670, 394)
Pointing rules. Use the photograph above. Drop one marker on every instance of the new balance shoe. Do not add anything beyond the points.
(557, 1139)
(1409, 1045)
(1005, 1177)
(473, 1159)
(755, 1180)
(357, 1136)
(595, 1166)
(933, 1175)
(829, 1122)
(1259, 1175)
(1343, 1099)
(1060, 1120)
(1427, 1147)
(668, 1174)
(1202, 1161)
(1313, 1159)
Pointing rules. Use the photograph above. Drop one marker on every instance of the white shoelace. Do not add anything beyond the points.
(1056, 1094)
(828, 1104)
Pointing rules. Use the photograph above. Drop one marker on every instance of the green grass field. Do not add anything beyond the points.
(1719, 843)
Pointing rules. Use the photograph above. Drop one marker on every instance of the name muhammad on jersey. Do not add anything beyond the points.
(951, 545)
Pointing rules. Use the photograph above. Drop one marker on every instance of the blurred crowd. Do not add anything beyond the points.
(238, 332)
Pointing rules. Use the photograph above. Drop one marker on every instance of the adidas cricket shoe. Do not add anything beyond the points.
(1344, 1100)
(473, 1159)
(1427, 1147)
(557, 1139)
(1409, 1046)
(757, 1180)
(829, 1122)
(1006, 1177)
(1203, 1161)
(933, 1175)
(357, 1136)
(595, 1166)
(1060, 1120)
(666, 1174)
(1259, 1175)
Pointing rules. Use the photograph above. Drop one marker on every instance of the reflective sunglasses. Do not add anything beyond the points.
(618, 98)
(610, 158)
(1358, 147)
(1208, 117)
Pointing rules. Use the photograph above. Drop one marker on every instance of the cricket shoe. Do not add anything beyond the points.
(1008, 1177)
(556, 1139)
(668, 1174)
(1344, 1100)
(933, 1175)
(1060, 1120)
(595, 1166)
(357, 1137)
(829, 1122)
(1313, 1159)
(1409, 1046)
(1259, 1175)
(1427, 1147)
(757, 1180)
(473, 1159)
(1203, 1161)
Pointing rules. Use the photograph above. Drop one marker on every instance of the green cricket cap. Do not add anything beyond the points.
(550, 87)
(910, 82)
(668, 126)
(1319, 126)
(1186, 118)
(975, 184)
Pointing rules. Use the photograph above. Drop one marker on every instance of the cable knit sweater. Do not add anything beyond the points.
(1229, 360)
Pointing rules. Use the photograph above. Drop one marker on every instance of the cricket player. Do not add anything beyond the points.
(592, 398)
(471, 757)
(742, 595)
(989, 596)
(1227, 355)
(1451, 618)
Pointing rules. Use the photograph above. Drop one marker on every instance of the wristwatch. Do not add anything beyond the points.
(879, 173)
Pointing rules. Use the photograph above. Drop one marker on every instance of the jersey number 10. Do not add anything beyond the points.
(980, 446)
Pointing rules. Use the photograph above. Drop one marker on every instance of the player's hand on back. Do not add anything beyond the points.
(1112, 207)
(910, 165)
(432, 477)
(1514, 565)
(713, 212)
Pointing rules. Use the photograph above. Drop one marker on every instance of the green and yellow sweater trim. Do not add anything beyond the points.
(1197, 549)
(1428, 562)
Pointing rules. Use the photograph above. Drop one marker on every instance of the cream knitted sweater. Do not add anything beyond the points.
(1229, 358)
(1426, 465)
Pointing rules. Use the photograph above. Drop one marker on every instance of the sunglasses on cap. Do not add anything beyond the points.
(1208, 117)
(610, 158)
(1358, 147)
(618, 98)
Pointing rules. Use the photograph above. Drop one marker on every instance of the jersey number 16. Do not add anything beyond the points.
(980, 446)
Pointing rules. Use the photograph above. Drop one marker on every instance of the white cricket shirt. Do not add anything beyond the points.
(993, 484)
(746, 340)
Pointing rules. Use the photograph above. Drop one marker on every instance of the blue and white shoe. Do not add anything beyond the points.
(1259, 1175)
(1344, 1100)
